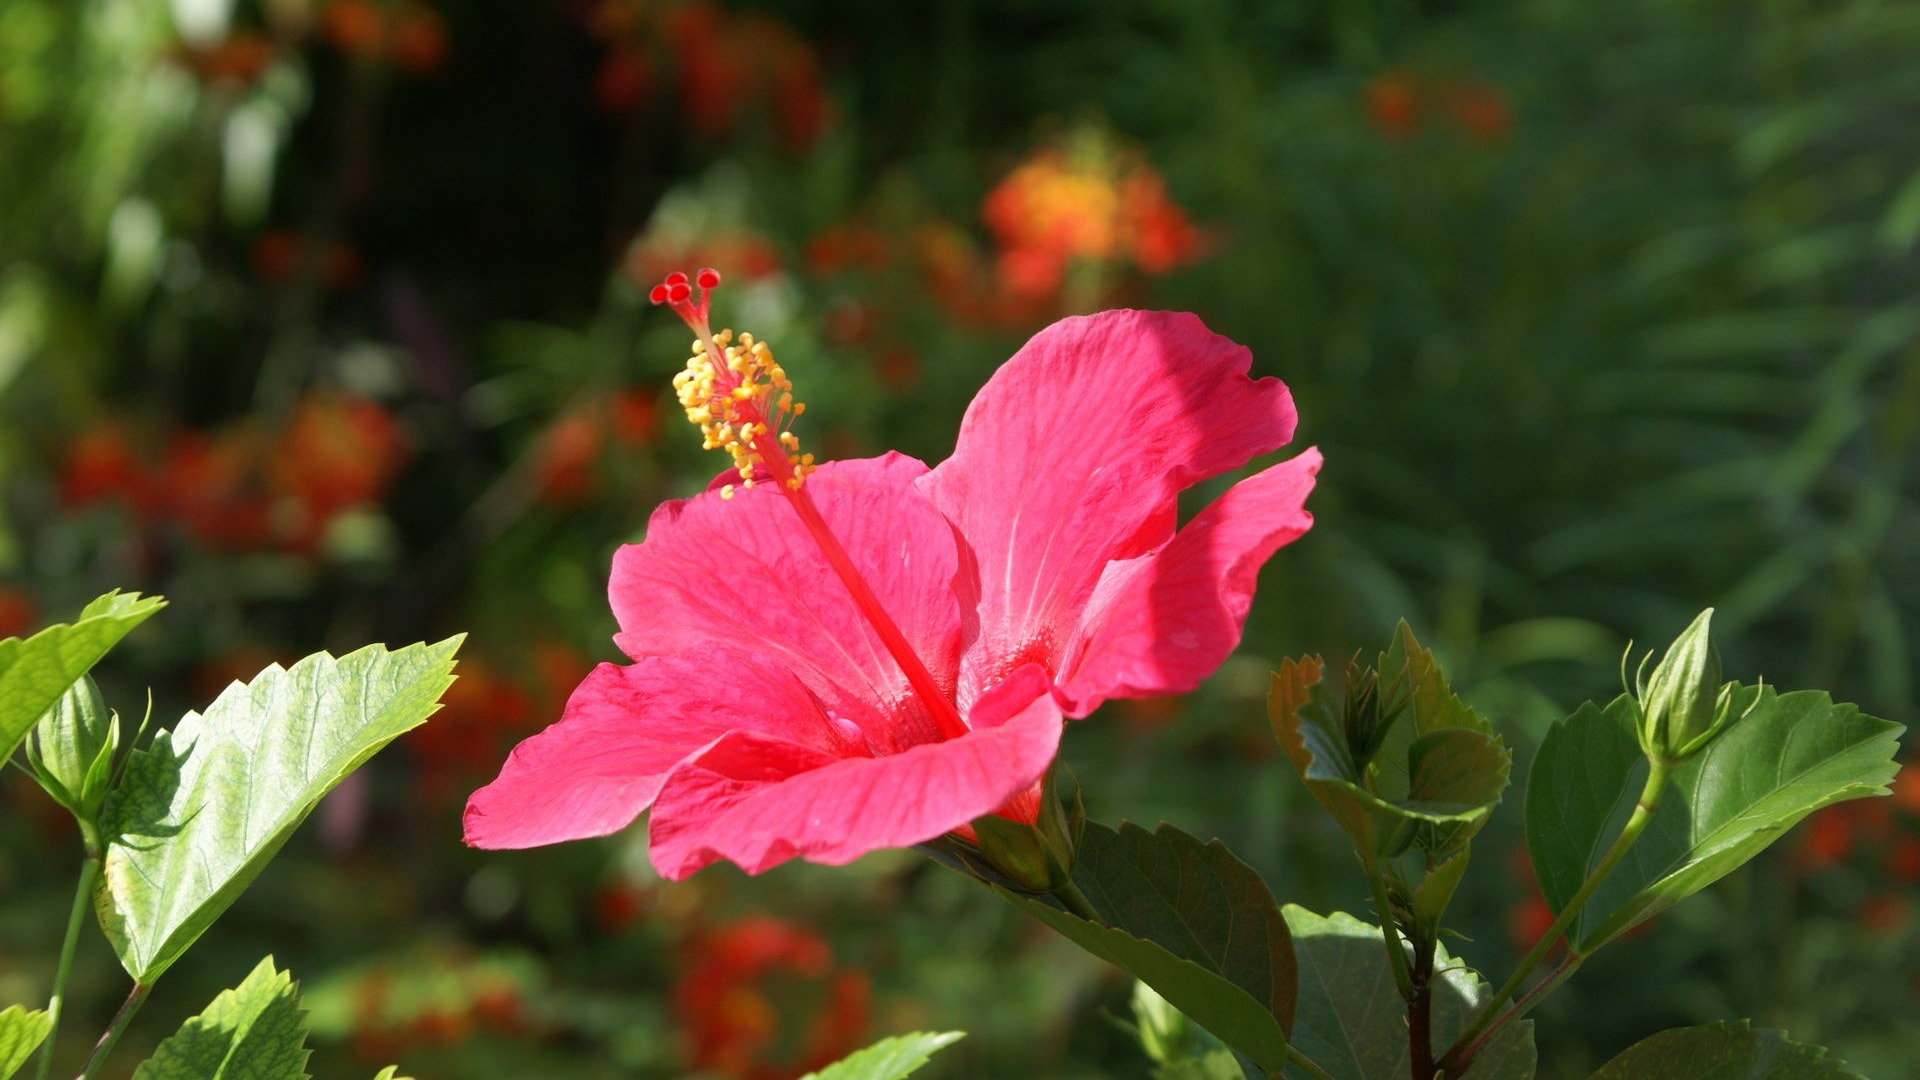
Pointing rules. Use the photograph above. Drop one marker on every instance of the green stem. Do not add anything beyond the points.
(1396, 956)
(1295, 1057)
(89, 870)
(120, 1021)
(1457, 1057)
(1558, 975)
(1076, 901)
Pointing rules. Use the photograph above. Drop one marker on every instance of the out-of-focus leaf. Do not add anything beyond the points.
(1214, 1065)
(206, 805)
(1901, 227)
(256, 1031)
(1722, 1052)
(1353, 1023)
(1193, 922)
(888, 1059)
(391, 1072)
(35, 671)
(1793, 754)
(21, 1033)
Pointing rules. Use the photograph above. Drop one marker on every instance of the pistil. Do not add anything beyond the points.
(722, 393)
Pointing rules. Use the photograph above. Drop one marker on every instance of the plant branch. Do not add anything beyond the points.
(120, 1021)
(1461, 1057)
(89, 870)
(1458, 1057)
(1396, 956)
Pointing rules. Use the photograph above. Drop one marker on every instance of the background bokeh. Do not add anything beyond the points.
(325, 318)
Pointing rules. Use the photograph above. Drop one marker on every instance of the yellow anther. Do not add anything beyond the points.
(735, 405)
(726, 492)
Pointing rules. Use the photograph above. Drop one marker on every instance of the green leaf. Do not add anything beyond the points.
(1793, 754)
(888, 1059)
(21, 1033)
(1431, 779)
(1722, 1052)
(1193, 922)
(1353, 1023)
(204, 808)
(34, 672)
(255, 1031)
(391, 1072)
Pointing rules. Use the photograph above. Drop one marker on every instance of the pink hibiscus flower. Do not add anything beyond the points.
(873, 653)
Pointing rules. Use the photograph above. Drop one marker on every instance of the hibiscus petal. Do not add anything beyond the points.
(624, 729)
(1072, 455)
(749, 800)
(746, 571)
(1160, 623)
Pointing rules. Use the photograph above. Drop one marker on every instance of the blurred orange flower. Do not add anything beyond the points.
(1097, 205)
(239, 58)
(735, 1018)
(412, 36)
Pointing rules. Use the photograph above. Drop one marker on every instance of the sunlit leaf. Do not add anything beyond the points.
(888, 1059)
(206, 805)
(1352, 1021)
(1793, 754)
(256, 1031)
(1193, 922)
(1722, 1052)
(21, 1033)
(35, 671)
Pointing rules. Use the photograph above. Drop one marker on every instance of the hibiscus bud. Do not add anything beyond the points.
(1684, 705)
(1036, 858)
(72, 748)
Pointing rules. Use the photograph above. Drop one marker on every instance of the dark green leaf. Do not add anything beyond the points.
(21, 1033)
(202, 810)
(1722, 1052)
(34, 672)
(255, 1031)
(1793, 754)
(1353, 1023)
(888, 1059)
(1191, 921)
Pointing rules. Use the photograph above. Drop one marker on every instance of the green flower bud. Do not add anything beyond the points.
(1684, 705)
(1036, 858)
(72, 748)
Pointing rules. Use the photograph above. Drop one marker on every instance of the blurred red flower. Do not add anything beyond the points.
(1478, 108)
(736, 1019)
(1393, 104)
(18, 615)
(280, 255)
(104, 464)
(337, 451)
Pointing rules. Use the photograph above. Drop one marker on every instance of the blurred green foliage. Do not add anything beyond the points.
(325, 318)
